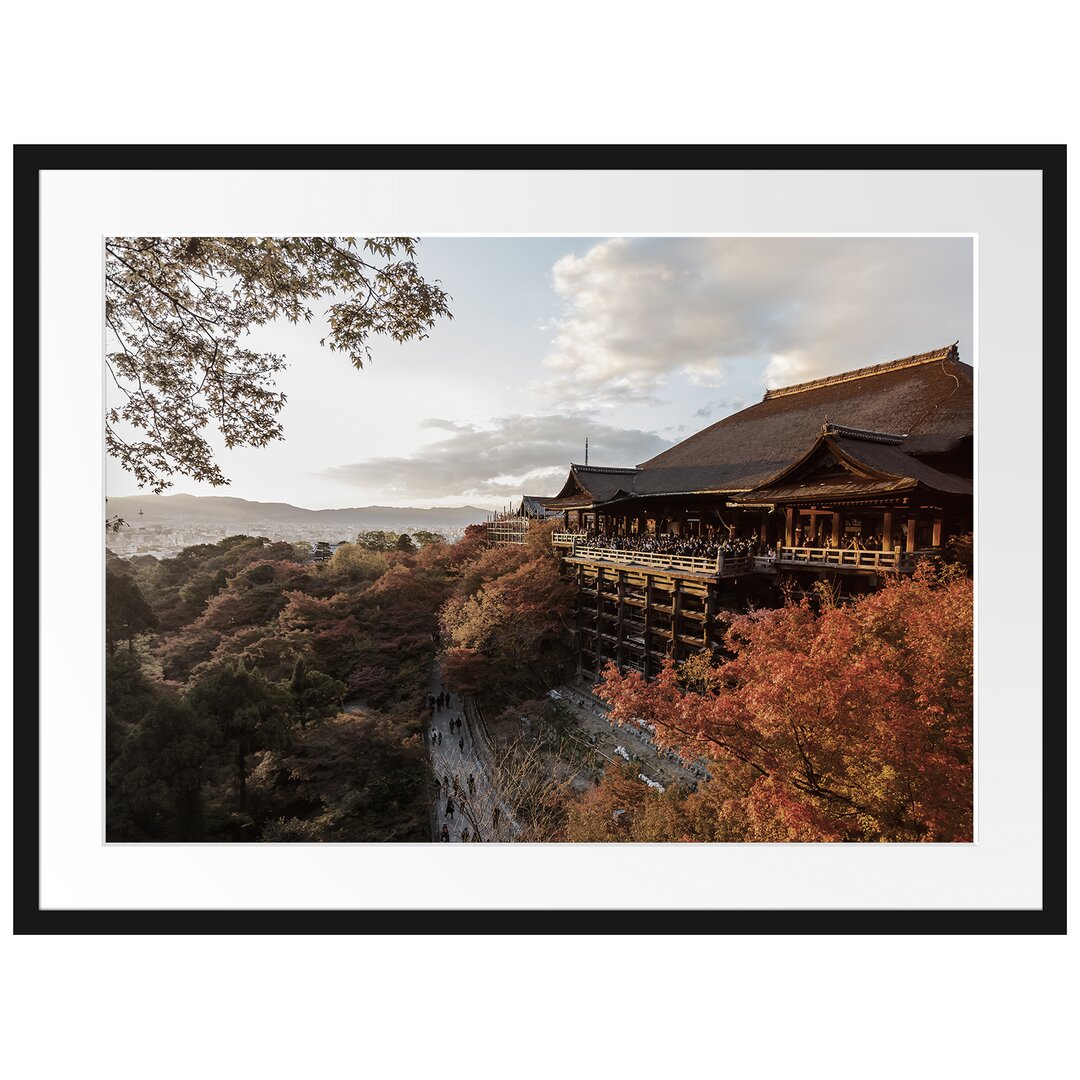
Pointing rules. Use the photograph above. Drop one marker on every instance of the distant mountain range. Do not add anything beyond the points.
(224, 510)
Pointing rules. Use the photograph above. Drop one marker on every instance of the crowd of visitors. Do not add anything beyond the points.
(668, 544)
(708, 547)
(849, 542)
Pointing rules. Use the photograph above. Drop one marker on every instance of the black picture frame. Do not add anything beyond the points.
(31, 160)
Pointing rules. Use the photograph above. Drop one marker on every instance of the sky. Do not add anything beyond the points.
(632, 342)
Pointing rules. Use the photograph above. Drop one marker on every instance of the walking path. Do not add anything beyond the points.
(663, 766)
(456, 755)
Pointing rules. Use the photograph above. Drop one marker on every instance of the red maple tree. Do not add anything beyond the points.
(827, 721)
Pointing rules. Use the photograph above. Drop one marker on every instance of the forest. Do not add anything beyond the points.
(253, 694)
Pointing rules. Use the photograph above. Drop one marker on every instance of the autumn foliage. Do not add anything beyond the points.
(240, 660)
(824, 722)
(505, 628)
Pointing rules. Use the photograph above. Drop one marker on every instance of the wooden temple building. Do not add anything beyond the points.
(853, 477)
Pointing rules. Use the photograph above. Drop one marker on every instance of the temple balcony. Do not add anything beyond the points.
(718, 566)
(853, 559)
(730, 566)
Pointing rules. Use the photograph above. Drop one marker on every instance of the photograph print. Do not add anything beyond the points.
(539, 539)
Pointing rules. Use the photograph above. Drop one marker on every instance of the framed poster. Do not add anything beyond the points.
(587, 229)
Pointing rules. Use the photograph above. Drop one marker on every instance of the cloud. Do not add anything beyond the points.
(510, 456)
(640, 312)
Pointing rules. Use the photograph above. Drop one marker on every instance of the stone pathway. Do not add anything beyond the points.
(456, 754)
(591, 714)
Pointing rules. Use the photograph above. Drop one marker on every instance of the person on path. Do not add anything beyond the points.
(459, 723)
(440, 738)
(446, 784)
(465, 835)
(450, 809)
(495, 818)
(461, 745)
(472, 785)
(457, 786)
(444, 835)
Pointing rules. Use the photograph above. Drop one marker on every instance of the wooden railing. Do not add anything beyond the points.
(563, 539)
(859, 560)
(728, 566)
(737, 565)
(714, 565)
(693, 563)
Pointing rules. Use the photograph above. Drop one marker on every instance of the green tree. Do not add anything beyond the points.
(352, 563)
(377, 540)
(424, 537)
(315, 695)
(177, 310)
(249, 714)
(127, 613)
(157, 777)
(129, 695)
(405, 543)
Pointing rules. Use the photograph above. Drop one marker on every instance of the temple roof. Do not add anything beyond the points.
(897, 461)
(865, 463)
(534, 506)
(928, 398)
(588, 484)
(884, 416)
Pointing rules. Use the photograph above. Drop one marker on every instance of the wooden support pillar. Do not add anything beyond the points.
(936, 540)
(620, 624)
(886, 532)
(580, 615)
(676, 618)
(836, 530)
(648, 625)
(599, 623)
(912, 528)
(764, 527)
(789, 527)
(710, 614)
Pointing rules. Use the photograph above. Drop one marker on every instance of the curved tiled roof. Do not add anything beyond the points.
(587, 484)
(895, 461)
(876, 464)
(926, 397)
(925, 403)
(533, 506)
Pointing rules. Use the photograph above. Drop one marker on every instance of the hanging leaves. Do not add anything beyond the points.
(178, 308)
